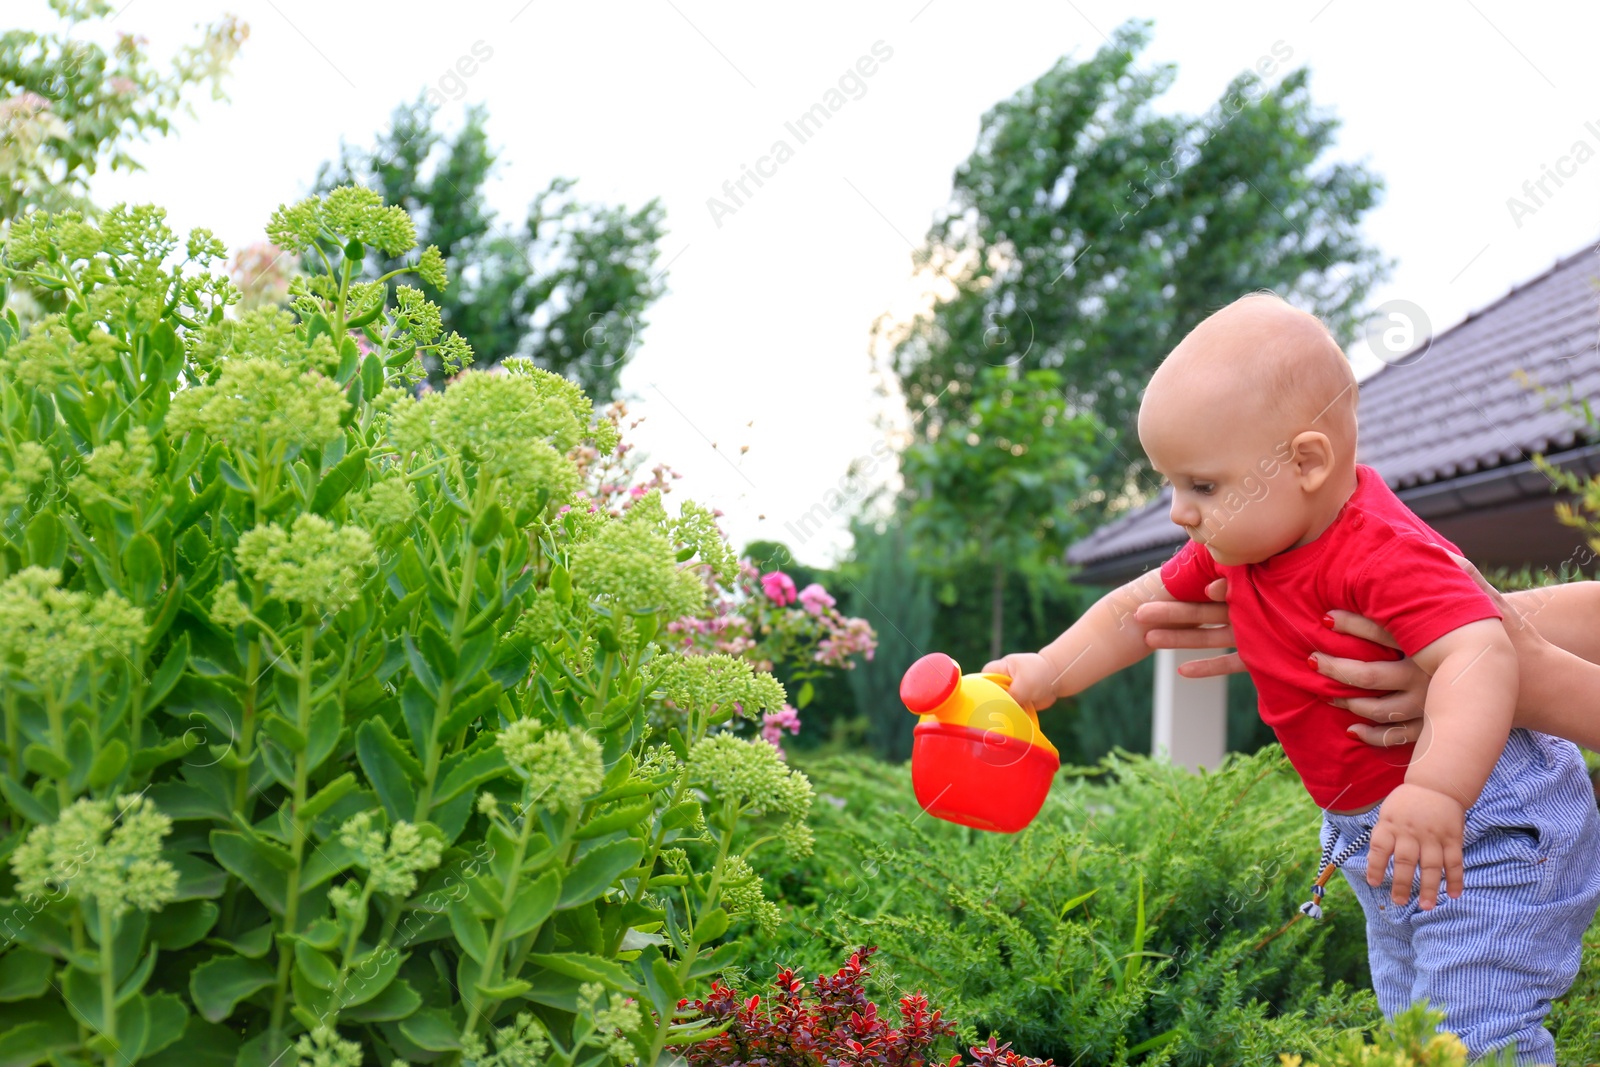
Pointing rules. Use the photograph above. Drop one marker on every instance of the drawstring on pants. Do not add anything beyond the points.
(1330, 863)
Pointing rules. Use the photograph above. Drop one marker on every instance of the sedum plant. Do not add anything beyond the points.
(338, 729)
(1411, 1039)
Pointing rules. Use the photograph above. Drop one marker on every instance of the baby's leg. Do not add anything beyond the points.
(1494, 958)
(1390, 955)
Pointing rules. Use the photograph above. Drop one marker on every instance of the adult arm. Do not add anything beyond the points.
(1555, 630)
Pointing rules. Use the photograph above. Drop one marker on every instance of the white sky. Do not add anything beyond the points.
(1456, 103)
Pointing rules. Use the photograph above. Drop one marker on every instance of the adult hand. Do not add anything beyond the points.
(1400, 687)
(1180, 624)
(1396, 712)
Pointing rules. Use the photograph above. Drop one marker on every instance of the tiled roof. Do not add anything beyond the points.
(1457, 409)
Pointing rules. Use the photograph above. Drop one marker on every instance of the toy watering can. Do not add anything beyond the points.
(978, 758)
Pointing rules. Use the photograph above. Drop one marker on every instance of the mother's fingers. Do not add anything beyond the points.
(1180, 613)
(1211, 666)
(1381, 675)
(1348, 622)
(1391, 707)
(1209, 637)
(1388, 736)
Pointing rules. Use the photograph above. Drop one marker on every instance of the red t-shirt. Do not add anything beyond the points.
(1377, 559)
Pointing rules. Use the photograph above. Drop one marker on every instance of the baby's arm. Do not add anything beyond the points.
(1471, 698)
(1104, 640)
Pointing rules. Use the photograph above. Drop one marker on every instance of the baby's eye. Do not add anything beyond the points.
(1205, 488)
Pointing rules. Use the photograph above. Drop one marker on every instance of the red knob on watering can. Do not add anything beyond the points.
(978, 758)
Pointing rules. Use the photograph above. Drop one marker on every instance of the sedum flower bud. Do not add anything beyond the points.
(315, 563)
(392, 865)
(91, 851)
(561, 767)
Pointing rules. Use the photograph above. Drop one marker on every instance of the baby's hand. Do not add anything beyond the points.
(1422, 829)
(1033, 680)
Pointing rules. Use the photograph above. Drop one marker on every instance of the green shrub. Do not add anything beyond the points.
(1134, 919)
(1411, 1039)
(335, 723)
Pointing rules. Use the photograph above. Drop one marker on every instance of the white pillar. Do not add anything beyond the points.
(1191, 714)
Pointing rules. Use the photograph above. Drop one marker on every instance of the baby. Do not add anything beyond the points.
(1252, 419)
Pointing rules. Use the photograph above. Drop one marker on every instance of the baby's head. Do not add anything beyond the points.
(1252, 418)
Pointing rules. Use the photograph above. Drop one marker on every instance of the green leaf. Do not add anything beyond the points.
(340, 480)
(554, 989)
(667, 977)
(372, 366)
(432, 1029)
(317, 968)
(24, 974)
(469, 931)
(514, 988)
(586, 967)
(487, 527)
(617, 820)
(328, 795)
(235, 480)
(533, 903)
(712, 925)
(469, 708)
(723, 956)
(197, 880)
(327, 722)
(219, 984)
(136, 980)
(36, 1040)
(389, 767)
(254, 864)
(182, 924)
(47, 540)
(108, 764)
(397, 1001)
(476, 651)
(43, 761)
(168, 673)
(142, 569)
(436, 655)
(471, 772)
(80, 990)
(370, 974)
(599, 867)
(35, 809)
(252, 944)
(203, 1044)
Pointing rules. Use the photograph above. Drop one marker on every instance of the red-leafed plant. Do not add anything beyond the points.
(836, 1027)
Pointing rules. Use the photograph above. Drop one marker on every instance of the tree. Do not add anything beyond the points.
(1003, 485)
(568, 289)
(67, 106)
(1088, 234)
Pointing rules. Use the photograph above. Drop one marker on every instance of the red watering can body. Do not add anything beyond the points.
(978, 758)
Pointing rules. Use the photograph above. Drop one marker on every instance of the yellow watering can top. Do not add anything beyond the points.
(935, 690)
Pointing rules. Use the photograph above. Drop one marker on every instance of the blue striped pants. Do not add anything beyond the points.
(1494, 958)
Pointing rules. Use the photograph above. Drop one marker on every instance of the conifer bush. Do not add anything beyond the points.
(338, 728)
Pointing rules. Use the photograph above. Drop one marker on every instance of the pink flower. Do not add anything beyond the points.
(773, 723)
(815, 599)
(638, 491)
(779, 588)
